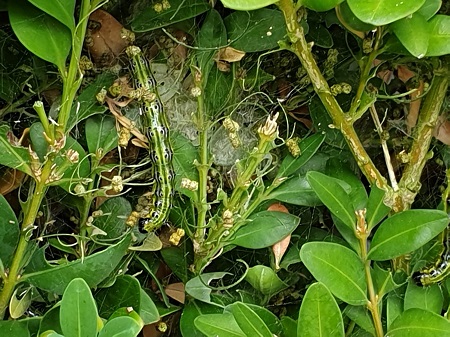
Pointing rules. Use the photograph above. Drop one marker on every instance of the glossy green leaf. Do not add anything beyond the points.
(394, 307)
(192, 310)
(333, 196)
(16, 157)
(93, 269)
(40, 33)
(78, 313)
(50, 334)
(429, 8)
(50, 320)
(417, 43)
(184, 155)
(123, 326)
(101, 134)
(14, 328)
(337, 169)
(125, 292)
(113, 220)
(149, 17)
(361, 316)
(147, 309)
(198, 288)
(345, 14)
(427, 298)
(319, 313)
(322, 5)
(249, 322)
(289, 326)
(376, 209)
(439, 42)
(269, 319)
(61, 10)
(383, 12)
(86, 104)
(406, 231)
(218, 325)
(383, 279)
(419, 322)
(256, 30)
(339, 268)
(212, 34)
(265, 280)
(320, 35)
(296, 191)
(308, 148)
(9, 231)
(264, 229)
(247, 5)
(219, 86)
(347, 233)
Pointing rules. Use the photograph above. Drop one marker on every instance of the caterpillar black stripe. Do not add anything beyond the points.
(441, 268)
(160, 151)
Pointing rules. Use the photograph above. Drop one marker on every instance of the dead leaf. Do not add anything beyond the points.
(229, 54)
(281, 246)
(414, 106)
(176, 291)
(105, 40)
(404, 74)
(442, 130)
(10, 180)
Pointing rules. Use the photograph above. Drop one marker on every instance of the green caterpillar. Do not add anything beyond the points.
(160, 151)
(440, 269)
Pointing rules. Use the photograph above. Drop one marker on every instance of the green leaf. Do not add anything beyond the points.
(289, 327)
(429, 8)
(406, 231)
(383, 280)
(249, 322)
(394, 307)
(78, 313)
(264, 229)
(345, 14)
(13, 328)
(418, 322)
(18, 306)
(319, 314)
(147, 309)
(61, 10)
(220, 86)
(308, 148)
(360, 315)
(16, 157)
(265, 280)
(40, 33)
(333, 196)
(417, 43)
(125, 292)
(123, 326)
(86, 104)
(184, 155)
(383, 12)
(212, 34)
(322, 5)
(93, 269)
(192, 310)
(9, 231)
(247, 5)
(427, 298)
(50, 320)
(376, 209)
(101, 134)
(113, 221)
(320, 35)
(269, 319)
(198, 288)
(439, 43)
(255, 31)
(177, 260)
(218, 325)
(296, 191)
(337, 169)
(150, 17)
(339, 268)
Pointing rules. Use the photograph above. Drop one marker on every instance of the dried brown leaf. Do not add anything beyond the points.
(281, 246)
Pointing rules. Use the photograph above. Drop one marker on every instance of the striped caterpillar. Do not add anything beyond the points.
(155, 214)
(441, 268)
